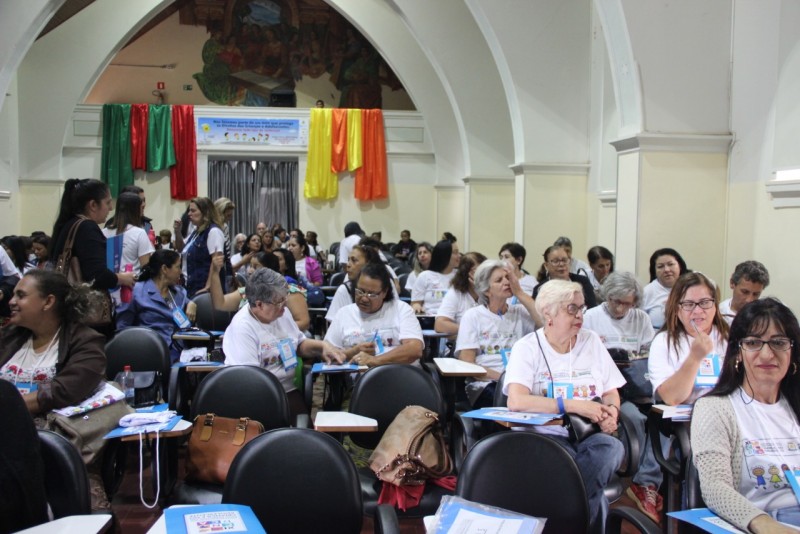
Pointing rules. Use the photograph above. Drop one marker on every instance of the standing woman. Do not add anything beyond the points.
(556, 267)
(307, 267)
(127, 221)
(225, 208)
(686, 355)
(202, 245)
(86, 203)
(431, 286)
(666, 265)
(462, 295)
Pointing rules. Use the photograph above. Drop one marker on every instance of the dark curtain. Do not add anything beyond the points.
(276, 183)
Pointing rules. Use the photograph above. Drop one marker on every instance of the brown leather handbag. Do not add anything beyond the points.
(412, 449)
(214, 443)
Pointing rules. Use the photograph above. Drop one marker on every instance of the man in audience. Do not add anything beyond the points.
(405, 248)
(747, 283)
(261, 228)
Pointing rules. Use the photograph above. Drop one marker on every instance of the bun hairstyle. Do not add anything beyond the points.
(73, 302)
(159, 258)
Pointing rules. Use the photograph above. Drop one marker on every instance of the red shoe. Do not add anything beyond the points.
(646, 499)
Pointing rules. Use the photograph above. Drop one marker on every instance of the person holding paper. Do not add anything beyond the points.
(378, 328)
(745, 432)
(685, 356)
(489, 330)
(561, 369)
(263, 333)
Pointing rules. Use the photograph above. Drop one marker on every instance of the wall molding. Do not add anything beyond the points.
(489, 180)
(658, 142)
(568, 169)
(784, 193)
(608, 199)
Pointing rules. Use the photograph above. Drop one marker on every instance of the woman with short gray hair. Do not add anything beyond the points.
(263, 333)
(489, 330)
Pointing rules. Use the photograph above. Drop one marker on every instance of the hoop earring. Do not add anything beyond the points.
(794, 368)
(736, 365)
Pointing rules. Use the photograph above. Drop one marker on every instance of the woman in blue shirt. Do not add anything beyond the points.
(155, 297)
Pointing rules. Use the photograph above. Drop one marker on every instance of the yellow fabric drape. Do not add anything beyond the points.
(371, 178)
(355, 138)
(321, 182)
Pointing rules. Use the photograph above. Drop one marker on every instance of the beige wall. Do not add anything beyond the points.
(449, 214)
(490, 217)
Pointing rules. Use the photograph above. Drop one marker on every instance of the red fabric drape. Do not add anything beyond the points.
(139, 136)
(371, 179)
(339, 140)
(183, 175)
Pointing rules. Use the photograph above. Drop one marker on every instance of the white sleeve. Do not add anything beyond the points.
(521, 368)
(468, 331)
(216, 241)
(7, 266)
(143, 244)
(528, 325)
(449, 306)
(647, 332)
(240, 344)
(340, 299)
(334, 333)
(420, 285)
(658, 366)
(408, 323)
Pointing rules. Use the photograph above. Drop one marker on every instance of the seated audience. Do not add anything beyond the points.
(421, 262)
(556, 267)
(666, 265)
(560, 357)
(315, 250)
(15, 248)
(40, 244)
(431, 286)
(576, 266)
(268, 241)
(626, 332)
(743, 431)
(240, 262)
(461, 296)
(308, 268)
(238, 243)
(263, 333)
(601, 262)
(165, 240)
(360, 255)
(404, 249)
(489, 330)
(685, 356)
(352, 236)
(514, 254)
(748, 281)
(378, 328)
(156, 296)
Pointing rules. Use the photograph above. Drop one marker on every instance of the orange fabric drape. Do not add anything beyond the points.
(139, 117)
(339, 140)
(371, 178)
(183, 175)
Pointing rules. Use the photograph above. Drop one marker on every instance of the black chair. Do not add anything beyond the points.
(404, 291)
(209, 318)
(337, 279)
(141, 348)
(236, 391)
(334, 249)
(381, 393)
(528, 474)
(402, 268)
(66, 480)
(300, 480)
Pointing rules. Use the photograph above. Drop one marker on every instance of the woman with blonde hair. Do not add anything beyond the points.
(205, 242)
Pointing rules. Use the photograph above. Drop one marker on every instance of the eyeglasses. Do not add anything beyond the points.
(573, 309)
(621, 304)
(280, 303)
(361, 293)
(777, 344)
(688, 305)
(562, 261)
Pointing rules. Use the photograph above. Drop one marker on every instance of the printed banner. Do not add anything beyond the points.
(246, 131)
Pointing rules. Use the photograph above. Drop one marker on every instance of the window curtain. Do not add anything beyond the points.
(234, 179)
(115, 166)
(276, 183)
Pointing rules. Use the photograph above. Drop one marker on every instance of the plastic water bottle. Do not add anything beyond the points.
(125, 292)
(128, 386)
(151, 234)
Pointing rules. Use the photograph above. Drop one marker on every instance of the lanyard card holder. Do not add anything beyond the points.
(560, 389)
(708, 372)
(288, 354)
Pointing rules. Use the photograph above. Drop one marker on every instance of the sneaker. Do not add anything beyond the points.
(646, 499)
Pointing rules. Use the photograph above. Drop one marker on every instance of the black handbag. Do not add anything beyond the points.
(637, 379)
(147, 387)
(579, 427)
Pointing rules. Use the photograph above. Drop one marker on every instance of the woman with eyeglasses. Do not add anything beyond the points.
(561, 369)
(745, 432)
(556, 267)
(263, 333)
(666, 265)
(378, 328)
(489, 330)
(686, 355)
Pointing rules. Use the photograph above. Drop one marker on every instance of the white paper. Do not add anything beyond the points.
(468, 522)
(213, 522)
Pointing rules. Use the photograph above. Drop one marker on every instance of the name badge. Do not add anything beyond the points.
(288, 354)
(560, 389)
(379, 349)
(26, 387)
(504, 355)
(708, 372)
(179, 318)
(791, 478)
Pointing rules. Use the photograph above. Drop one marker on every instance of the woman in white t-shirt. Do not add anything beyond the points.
(489, 330)
(422, 259)
(461, 296)
(685, 356)
(263, 333)
(360, 255)
(666, 265)
(561, 369)
(205, 242)
(127, 222)
(745, 432)
(378, 328)
(431, 286)
(514, 254)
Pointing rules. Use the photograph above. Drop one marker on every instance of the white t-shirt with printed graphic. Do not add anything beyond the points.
(248, 341)
(393, 323)
(665, 360)
(491, 335)
(455, 304)
(587, 371)
(631, 333)
(430, 287)
(770, 443)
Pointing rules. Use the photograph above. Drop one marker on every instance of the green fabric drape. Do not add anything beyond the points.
(160, 148)
(115, 168)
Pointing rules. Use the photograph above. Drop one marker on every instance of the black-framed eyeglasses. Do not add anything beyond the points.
(562, 261)
(777, 344)
(361, 293)
(688, 305)
(573, 309)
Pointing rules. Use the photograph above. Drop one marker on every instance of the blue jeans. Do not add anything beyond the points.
(789, 515)
(649, 473)
(598, 457)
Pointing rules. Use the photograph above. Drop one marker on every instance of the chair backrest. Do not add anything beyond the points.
(499, 398)
(403, 279)
(401, 268)
(66, 480)
(337, 279)
(243, 391)
(694, 497)
(383, 391)
(529, 474)
(297, 480)
(141, 348)
(209, 318)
